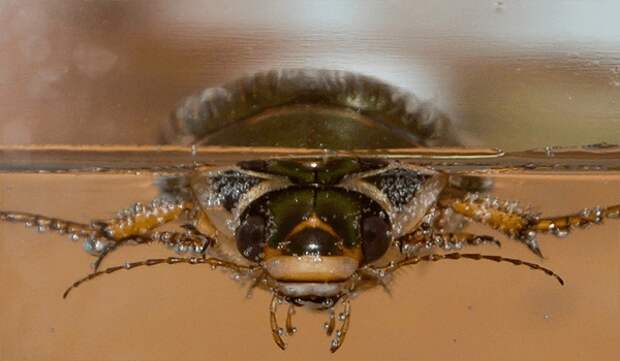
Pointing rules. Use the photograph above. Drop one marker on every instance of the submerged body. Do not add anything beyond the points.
(314, 231)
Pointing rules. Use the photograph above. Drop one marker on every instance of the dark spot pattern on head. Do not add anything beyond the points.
(399, 185)
(231, 185)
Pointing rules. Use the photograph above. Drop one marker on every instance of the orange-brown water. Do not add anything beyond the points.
(461, 310)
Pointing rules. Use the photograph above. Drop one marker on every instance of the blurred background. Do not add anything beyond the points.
(511, 74)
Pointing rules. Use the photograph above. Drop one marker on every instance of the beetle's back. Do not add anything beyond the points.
(308, 108)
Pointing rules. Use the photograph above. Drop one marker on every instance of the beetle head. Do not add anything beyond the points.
(313, 234)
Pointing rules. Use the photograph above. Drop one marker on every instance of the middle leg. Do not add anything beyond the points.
(441, 228)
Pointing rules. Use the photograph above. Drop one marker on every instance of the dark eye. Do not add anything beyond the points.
(375, 237)
(251, 237)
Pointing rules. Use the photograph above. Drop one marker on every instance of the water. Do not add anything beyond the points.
(528, 74)
(439, 311)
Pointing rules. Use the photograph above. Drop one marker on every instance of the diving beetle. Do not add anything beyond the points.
(313, 232)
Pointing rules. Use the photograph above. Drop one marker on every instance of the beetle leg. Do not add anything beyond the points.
(114, 245)
(140, 219)
(130, 223)
(48, 224)
(425, 237)
(191, 240)
(213, 262)
(446, 220)
(523, 226)
(455, 256)
(134, 224)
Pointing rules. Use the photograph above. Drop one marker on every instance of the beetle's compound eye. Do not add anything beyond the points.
(251, 237)
(375, 237)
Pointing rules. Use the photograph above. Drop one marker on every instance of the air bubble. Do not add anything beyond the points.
(549, 151)
(89, 246)
(181, 248)
(408, 249)
(100, 246)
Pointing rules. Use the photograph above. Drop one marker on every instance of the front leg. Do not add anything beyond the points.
(98, 235)
(521, 225)
(133, 225)
(140, 219)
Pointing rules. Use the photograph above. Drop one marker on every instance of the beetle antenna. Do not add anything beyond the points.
(214, 262)
(473, 256)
